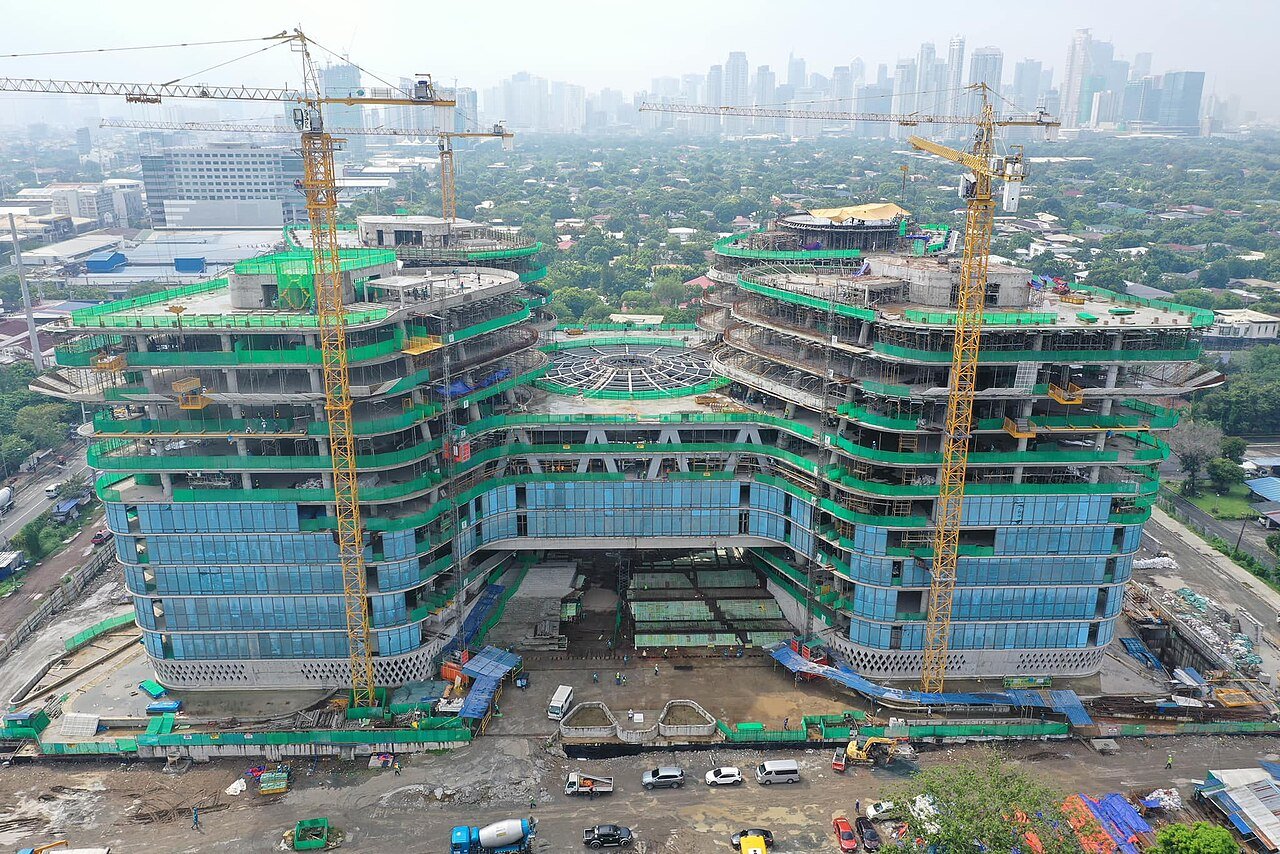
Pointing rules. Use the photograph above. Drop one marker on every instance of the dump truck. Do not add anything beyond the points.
(511, 836)
(584, 784)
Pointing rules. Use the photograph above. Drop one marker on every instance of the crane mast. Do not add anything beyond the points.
(981, 160)
(970, 301)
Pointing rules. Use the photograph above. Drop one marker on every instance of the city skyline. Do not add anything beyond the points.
(600, 60)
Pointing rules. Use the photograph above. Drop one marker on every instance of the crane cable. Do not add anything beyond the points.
(137, 47)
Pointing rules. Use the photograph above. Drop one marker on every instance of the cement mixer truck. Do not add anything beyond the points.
(512, 836)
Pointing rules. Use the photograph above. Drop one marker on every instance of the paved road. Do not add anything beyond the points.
(30, 500)
(1251, 537)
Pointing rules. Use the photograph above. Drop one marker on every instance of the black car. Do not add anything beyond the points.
(867, 831)
(607, 836)
(751, 831)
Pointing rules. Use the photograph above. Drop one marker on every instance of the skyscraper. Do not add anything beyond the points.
(737, 88)
(955, 74)
(765, 93)
(858, 69)
(1073, 82)
(1026, 85)
(1141, 66)
(985, 66)
(931, 81)
(796, 75)
(341, 80)
(842, 88)
(904, 94)
(713, 96)
(736, 80)
(1180, 95)
(466, 115)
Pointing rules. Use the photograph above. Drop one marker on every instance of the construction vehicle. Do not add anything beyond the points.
(510, 836)
(876, 750)
(320, 187)
(448, 183)
(42, 848)
(984, 167)
(585, 784)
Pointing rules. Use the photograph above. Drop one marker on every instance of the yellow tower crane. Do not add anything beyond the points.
(448, 194)
(320, 187)
(985, 166)
(448, 190)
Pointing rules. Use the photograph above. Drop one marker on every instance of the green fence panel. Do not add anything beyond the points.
(97, 630)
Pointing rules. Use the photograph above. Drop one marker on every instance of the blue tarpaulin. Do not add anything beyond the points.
(475, 619)
(479, 698)
(1120, 820)
(491, 661)
(1140, 651)
(1063, 702)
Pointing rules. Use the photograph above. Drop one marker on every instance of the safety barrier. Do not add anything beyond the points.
(673, 730)
(946, 731)
(755, 732)
(97, 630)
(568, 729)
(990, 318)
(725, 246)
(757, 287)
(1189, 354)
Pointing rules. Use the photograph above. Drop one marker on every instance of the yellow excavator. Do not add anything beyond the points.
(877, 750)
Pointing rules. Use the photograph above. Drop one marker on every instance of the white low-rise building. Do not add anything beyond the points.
(1244, 323)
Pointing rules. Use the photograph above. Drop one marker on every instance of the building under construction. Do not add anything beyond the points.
(798, 429)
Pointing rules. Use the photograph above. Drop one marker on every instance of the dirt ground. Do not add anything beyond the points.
(496, 778)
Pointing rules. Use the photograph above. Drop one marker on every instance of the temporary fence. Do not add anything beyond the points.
(98, 630)
(755, 732)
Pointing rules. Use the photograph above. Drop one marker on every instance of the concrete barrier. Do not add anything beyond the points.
(638, 736)
(702, 730)
(568, 730)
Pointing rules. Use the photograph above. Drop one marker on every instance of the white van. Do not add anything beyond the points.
(777, 771)
(561, 702)
(51, 489)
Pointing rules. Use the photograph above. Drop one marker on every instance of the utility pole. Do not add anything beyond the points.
(37, 358)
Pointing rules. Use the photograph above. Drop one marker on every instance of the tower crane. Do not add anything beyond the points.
(985, 167)
(319, 185)
(448, 190)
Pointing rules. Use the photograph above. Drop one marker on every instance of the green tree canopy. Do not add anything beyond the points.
(980, 801)
(45, 424)
(1194, 443)
(1223, 474)
(1199, 838)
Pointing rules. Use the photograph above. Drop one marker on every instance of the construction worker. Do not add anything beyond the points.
(655, 670)
(1168, 763)
(195, 818)
(395, 766)
(786, 723)
(595, 677)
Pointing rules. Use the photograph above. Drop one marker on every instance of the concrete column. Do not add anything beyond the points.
(246, 480)
(166, 484)
(317, 383)
(1113, 373)
(473, 412)
(233, 380)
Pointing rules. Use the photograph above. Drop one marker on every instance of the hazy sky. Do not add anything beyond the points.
(625, 45)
